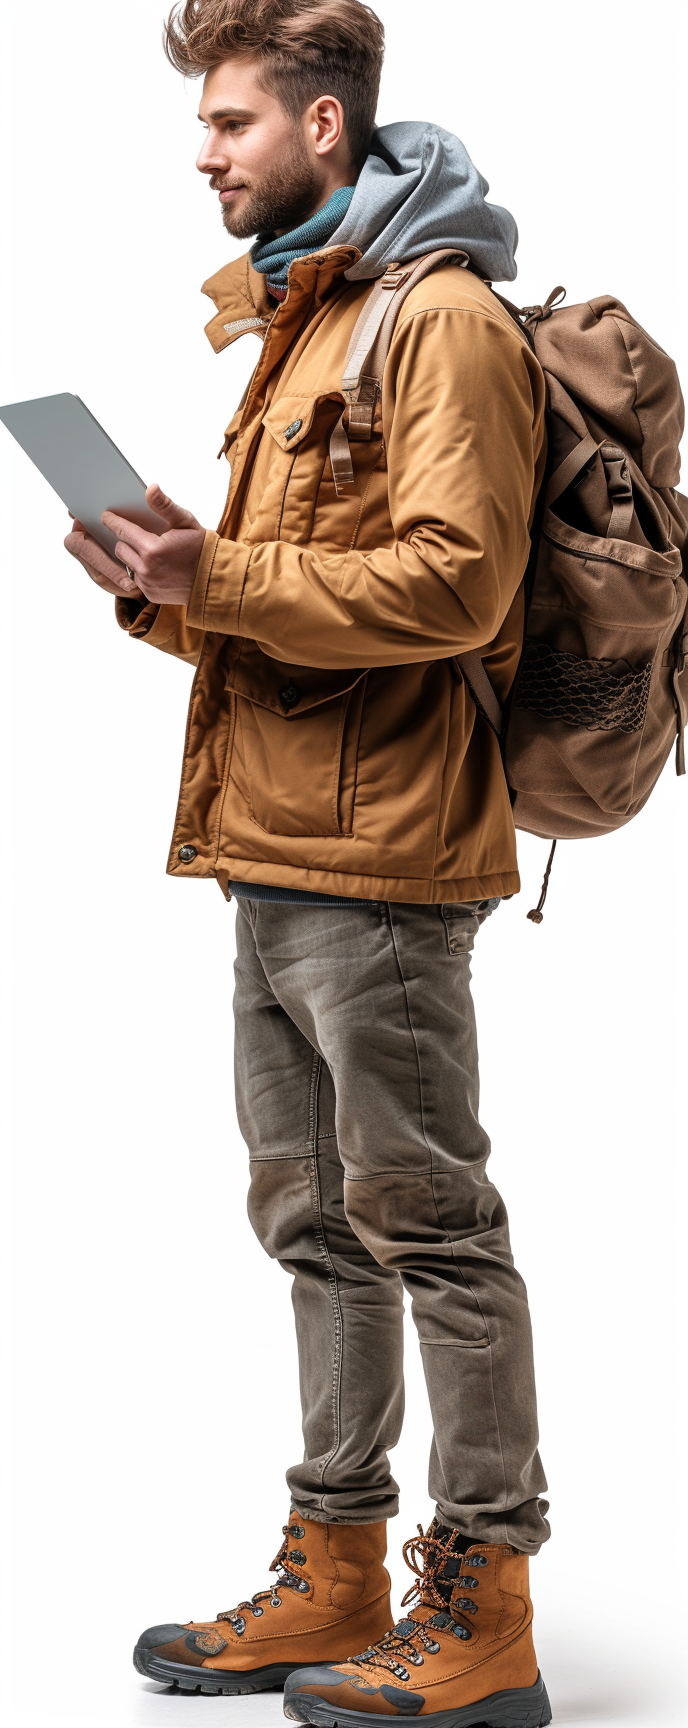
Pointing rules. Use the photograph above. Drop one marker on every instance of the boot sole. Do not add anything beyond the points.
(521, 1707)
(214, 1680)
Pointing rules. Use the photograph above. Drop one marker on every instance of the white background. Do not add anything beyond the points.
(150, 1366)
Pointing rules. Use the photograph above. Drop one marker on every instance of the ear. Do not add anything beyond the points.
(324, 121)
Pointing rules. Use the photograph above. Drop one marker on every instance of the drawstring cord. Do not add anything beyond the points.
(536, 914)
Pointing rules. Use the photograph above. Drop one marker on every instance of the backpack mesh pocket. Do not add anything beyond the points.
(600, 695)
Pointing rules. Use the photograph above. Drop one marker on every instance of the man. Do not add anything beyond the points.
(341, 783)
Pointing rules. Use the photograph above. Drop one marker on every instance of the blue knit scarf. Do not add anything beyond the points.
(272, 255)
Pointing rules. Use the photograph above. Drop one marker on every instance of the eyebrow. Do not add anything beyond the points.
(229, 113)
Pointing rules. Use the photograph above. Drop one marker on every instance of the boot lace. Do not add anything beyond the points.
(286, 1564)
(437, 1567)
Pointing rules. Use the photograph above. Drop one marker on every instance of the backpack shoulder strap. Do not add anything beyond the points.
(368, 349)
(372, 335)
(370, 343)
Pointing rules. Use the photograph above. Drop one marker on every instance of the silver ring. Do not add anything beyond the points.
(130, 572)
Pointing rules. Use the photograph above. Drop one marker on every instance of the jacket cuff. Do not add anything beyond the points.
(147, 621)
(215, 598)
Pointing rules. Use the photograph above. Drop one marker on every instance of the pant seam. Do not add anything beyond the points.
(436, 1206)
(321, 1240)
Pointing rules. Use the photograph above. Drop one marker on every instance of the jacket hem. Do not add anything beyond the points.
(422, 891)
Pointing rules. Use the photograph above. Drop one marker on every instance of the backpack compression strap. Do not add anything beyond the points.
(619, 486)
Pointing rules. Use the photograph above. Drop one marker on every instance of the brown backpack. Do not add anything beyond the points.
(601, 691)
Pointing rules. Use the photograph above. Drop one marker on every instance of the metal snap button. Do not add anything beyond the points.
(186, 854)
(291, 431)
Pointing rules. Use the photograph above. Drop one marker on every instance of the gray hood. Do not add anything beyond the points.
(419, 190)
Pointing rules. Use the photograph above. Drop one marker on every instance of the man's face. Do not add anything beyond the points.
(261, 162)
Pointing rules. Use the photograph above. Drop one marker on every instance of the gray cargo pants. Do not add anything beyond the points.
(357, 1094)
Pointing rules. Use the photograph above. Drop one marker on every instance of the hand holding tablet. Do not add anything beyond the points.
(106, 572)
(118, 521)
(159, 566)
(162, 566)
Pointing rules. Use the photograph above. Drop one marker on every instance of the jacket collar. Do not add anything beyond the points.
(242, 300)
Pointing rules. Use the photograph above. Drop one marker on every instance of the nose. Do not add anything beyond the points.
(212, 158)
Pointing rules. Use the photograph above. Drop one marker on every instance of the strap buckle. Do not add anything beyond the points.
(618, 477)
(394, 276)
(362, 408)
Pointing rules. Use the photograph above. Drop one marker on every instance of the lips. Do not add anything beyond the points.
(229, 192)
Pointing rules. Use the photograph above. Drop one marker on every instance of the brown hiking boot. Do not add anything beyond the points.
(463, 1656)
(331, 1595)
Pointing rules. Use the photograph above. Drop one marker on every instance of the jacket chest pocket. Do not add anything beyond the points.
(308, 506)
(295, 751)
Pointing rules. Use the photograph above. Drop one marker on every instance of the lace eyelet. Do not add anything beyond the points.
(256, 1612)
(298, 1531)
(297, 1558)
(275, 1601)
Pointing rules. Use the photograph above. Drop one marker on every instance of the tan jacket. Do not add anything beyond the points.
(332, 744)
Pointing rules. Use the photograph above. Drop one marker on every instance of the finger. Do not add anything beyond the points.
(173, 514)
(104, 582)
(96, 561)
(130, 533)
(132, 559)
(82, 545)
(126, 588)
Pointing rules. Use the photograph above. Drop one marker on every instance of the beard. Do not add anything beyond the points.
(283, 198)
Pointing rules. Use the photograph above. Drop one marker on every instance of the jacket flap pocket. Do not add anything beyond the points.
(286, 689)
(289, 419)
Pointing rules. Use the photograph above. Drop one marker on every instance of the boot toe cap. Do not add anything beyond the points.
(347, 1689)
(322, 1675)
(156, 1637)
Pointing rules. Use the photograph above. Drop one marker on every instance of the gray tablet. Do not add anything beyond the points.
(81, 463)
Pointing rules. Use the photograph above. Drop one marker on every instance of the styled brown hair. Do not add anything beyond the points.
(308, 48)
